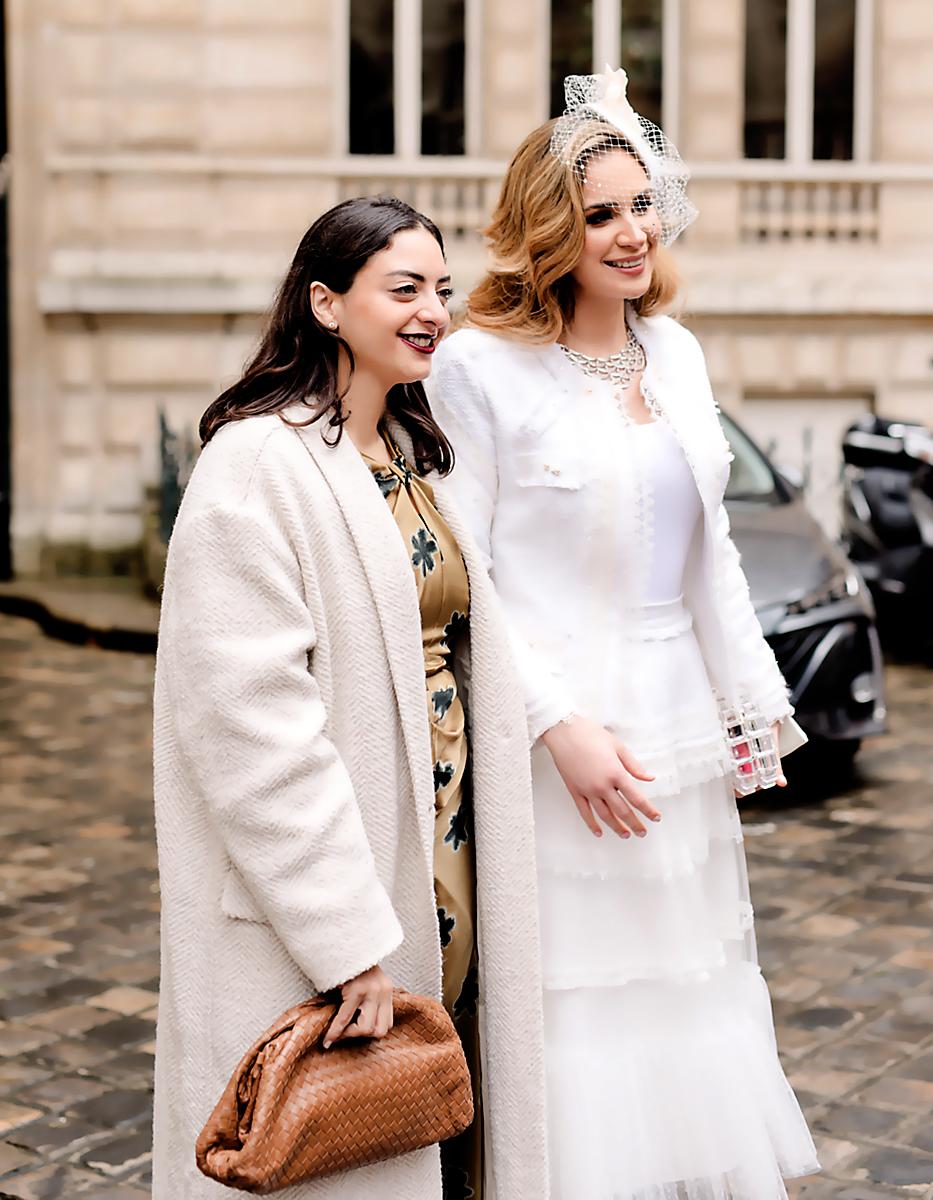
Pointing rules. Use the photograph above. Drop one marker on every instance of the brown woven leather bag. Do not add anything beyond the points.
(293, 1111)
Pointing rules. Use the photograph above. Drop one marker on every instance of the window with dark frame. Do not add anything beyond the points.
(832, 95)
(372, 65)
(834, 80)
(443, 61)
(765, 78)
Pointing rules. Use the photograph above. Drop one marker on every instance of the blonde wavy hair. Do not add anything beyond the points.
(536, 239)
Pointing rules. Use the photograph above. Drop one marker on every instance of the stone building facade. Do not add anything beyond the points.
(167, 155)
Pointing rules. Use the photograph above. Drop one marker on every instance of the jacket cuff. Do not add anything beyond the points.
(775, 704)
(541, 718)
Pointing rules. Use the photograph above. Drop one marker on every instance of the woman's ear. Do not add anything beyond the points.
(322, 305)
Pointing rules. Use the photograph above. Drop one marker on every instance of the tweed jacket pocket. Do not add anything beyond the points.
(548, 467)
(236, 900)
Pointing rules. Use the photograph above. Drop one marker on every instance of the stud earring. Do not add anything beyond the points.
(333, 324)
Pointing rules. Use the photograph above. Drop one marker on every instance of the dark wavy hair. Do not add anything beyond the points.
(297, 358)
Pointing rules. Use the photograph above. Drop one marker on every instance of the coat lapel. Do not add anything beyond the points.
(391, 580)
(678, 397)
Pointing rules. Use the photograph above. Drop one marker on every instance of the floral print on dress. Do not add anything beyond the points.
(404, 470)
(387, 481)
(444, 601)
(458, 832)
(424, 548)
(445, 924)
(443, 773)
(455, 628)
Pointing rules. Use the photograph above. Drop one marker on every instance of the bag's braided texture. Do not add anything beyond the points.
(293, 1111)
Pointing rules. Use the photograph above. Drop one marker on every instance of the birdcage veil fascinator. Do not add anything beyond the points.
(599, 119)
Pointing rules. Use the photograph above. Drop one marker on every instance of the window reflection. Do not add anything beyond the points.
(372, 109)
(442, 74)
(834, 79)
(765, 78)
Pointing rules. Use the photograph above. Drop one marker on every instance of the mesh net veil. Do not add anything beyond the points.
(599, 119)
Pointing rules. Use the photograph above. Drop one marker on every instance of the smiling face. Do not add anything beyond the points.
(395, 311)
(622, 229)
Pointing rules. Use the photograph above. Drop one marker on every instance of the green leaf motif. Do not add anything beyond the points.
(455, 628)
(443, 773)
(387, 482)
(445, 925)
(458, 834)
(425, 547)
(402, 467)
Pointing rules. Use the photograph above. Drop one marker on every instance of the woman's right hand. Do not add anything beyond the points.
(599, 773)
(366, 1008)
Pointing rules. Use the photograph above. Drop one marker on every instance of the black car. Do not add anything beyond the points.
(813, 605)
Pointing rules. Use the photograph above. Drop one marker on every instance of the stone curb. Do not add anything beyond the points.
(78, 627)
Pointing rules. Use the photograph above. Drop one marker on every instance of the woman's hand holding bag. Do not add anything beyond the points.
(366, 1008)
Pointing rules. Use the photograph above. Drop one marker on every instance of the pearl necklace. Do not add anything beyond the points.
(618, 369)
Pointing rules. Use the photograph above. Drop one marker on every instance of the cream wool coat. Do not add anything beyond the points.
(295, 798)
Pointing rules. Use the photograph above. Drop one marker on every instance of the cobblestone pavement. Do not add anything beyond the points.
(843, 888)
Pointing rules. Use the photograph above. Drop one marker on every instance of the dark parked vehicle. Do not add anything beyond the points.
(813, 605)
(888, 521)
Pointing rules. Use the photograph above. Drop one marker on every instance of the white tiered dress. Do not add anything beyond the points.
(663, 1076)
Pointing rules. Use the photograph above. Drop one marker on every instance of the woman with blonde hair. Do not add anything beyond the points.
(592, 465)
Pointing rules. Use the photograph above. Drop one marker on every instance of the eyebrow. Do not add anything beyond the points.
(415, 276)
(617, 203)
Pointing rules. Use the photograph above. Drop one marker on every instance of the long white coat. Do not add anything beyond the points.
(540, 466)
(295, 797)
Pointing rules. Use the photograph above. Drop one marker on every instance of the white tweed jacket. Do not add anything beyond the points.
(550, 490)
(295, 801)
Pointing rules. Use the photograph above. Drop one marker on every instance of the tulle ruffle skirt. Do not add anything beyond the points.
(662, 1071)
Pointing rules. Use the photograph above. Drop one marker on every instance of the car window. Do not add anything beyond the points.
(751, 477)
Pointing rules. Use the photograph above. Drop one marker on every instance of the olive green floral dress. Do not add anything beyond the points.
(444, 599)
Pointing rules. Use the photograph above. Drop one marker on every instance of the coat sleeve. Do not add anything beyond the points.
(757, 675)
(236, 643)
(463, 411)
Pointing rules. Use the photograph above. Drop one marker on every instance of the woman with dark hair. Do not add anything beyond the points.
(317, 828)
(591, 464)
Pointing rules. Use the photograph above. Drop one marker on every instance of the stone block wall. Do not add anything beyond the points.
(142, 253)
(160, 182)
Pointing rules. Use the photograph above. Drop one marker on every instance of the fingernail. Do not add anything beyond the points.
(642, 833)
(656, 817)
